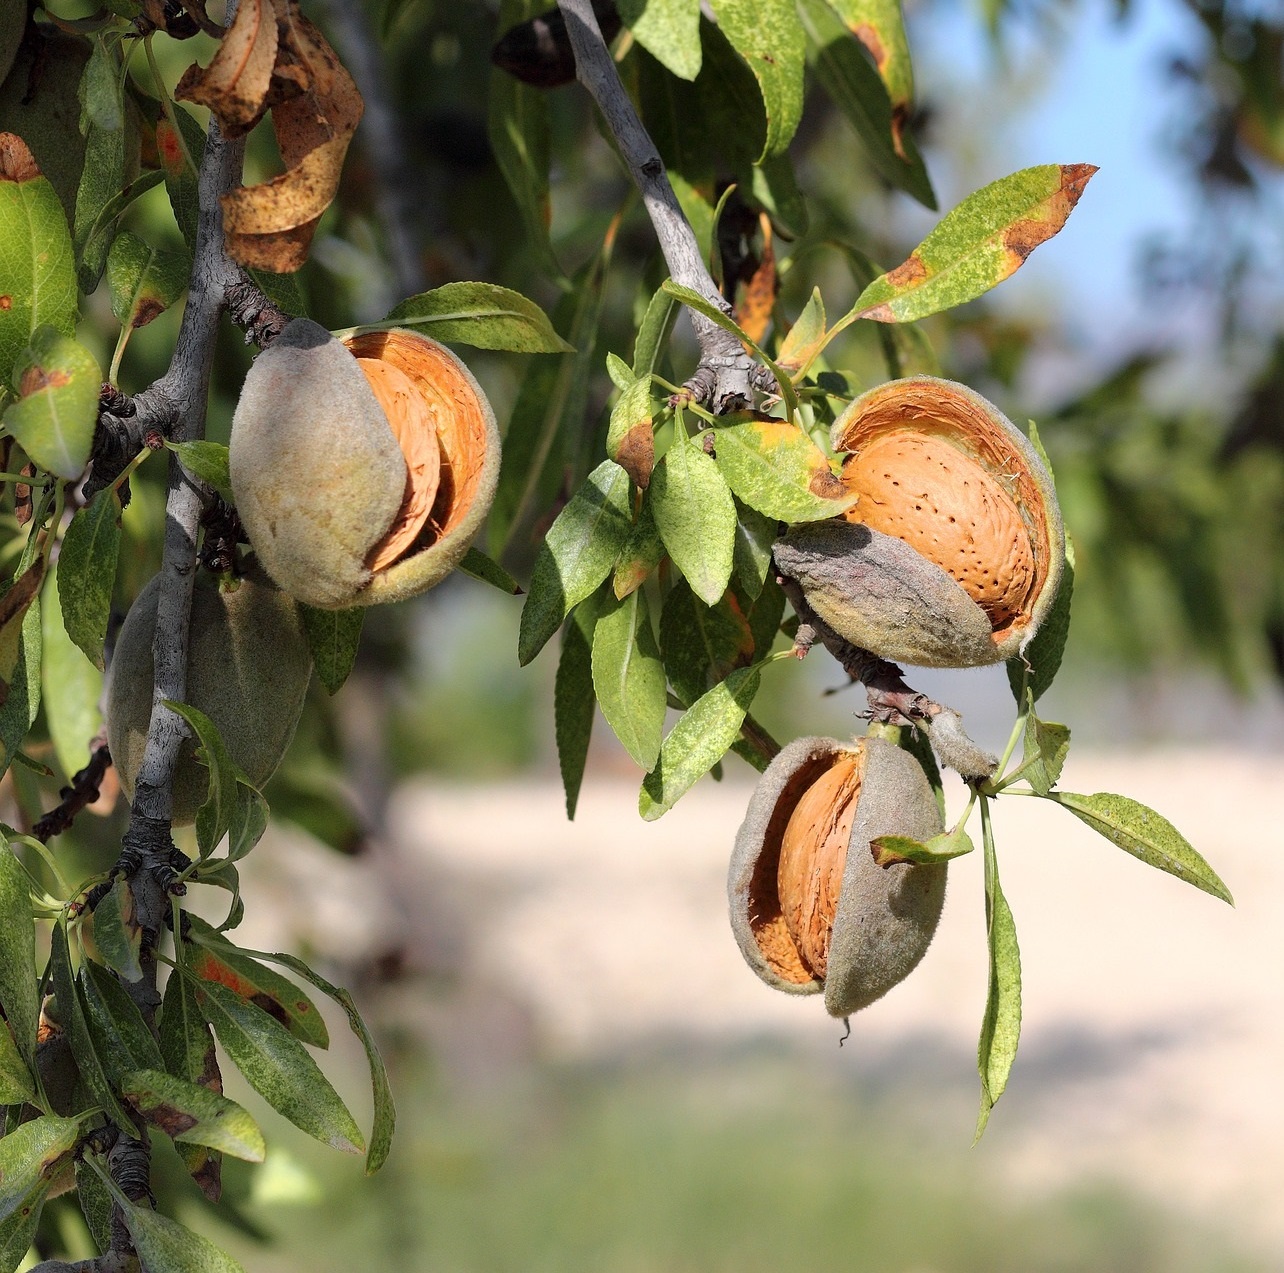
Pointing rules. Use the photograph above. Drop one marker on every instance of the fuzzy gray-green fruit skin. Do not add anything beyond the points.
(880, 594)
(316, 471)
(248, 667)
(886, 917)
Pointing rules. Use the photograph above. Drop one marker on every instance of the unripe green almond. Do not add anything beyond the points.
(248, 667)
(885, 916)
(954, 550)
(323, 481)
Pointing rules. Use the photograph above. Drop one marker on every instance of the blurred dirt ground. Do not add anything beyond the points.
(1153, 1033)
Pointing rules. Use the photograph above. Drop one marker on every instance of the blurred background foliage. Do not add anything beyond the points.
(1169, 451)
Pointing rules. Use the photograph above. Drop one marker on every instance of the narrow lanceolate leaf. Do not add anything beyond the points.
(697, 742)
(878, 26)
(805, 339)
(977, 245)
(640, 556)
(188, 1112)
(891, 849)
(95, 1203)
(774, 467)
(385, 1114)
(767, 35)
(630, 438)
(277, 1066)
(577, 554)
(696, 518)
(481, 314)
(755, 534)
(93, 1071)
(701, 643)
(180, 155)
(86, 570)
(72, 686)
(1044, 652)
(1001, 1026)
(143, 281)
(117, 933)
(20, 646)
(123, 1039)
(29, 1156)
(248, 822)
(213, 817)
(1046, 746)
(16, 1084)
(478, 566)
(19, 989)
(846, 73)
(333, 637)
(669, 30)
(187, 1046)
(1146, 835)
(36, 263)
(213, 958)
(653, 333)
(628, 676)
(574, 702)
(208, 461)
(102, 175)
(57, 380)
(165, 1246)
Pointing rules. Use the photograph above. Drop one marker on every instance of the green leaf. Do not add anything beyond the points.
(630, 437)
(248, 822)
(764, 613)
(385, 1114)
(333, 637)
(767, 35)
(669, 30)
(29, 1157)
(165, 1246)
(577, 554)
(697, 742)
(520, 139)
(180, 176)
(117, 933)
(187, 1112)
(89, 1062)
(100, 95)
(574, 701)
(144, 281)
(479, 566)
(888, 850)
(1046, 747)
(701, 643)
(214, 958)
(57, 380)
(20, 651)
(696, 518)
(1146, 835)
(653, 333)
(640, 556)
(806, 338)
(121, 1036)
(16, 1084)
(1044, 652)
(877, 24)
(845, 71)
(1001, 1025)
(87, 571)
(279, 1069)
(774, 467)
(207, 461)
(36, 261)
(977, 245)
(628, 676)
(214, 816)
(72, 686)
(186, 1043)
(96, 1204)
(19, 988)
(751, 559)
(481, 314)
(103, 174)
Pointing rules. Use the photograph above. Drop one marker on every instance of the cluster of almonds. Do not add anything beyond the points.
(361, 469)
(951, 557)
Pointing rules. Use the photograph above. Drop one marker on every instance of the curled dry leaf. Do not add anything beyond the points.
(273, 58)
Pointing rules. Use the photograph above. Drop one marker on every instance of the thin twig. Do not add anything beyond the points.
(84, 790)
(726, 376)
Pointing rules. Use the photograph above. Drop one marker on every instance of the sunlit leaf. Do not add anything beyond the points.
(72, 686)
(481, 314)
(477, 565)
(628, 676)
(1046, 747)
(640, 556)
(878, 26)
(630, 438)
(144, 281)
(805, 339)
(669, 30)
(888, 850)
(1001, 1025)
(165, 1246)
(701, 643)
(696, 518)
(774, 467)
(57, 380)
(28, 1157)
(188, 1112)
(333, 637)
(977, 245)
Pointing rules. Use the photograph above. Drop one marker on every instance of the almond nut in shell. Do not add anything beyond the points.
(954, 549)
(248, 667)
(810, 909)
(361, 469)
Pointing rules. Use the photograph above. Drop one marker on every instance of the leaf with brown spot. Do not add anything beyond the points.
(270, 226)
(54, 418)
(630, 438)
(878, 25)
(806, 338)
(977, 245)
(235, 84)
(144, 281)
(757, 298)
(187, 1112)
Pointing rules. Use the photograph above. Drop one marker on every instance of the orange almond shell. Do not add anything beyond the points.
(884, 918)
(446, 405)
(939, 467)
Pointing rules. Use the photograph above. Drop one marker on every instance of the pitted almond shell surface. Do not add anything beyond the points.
(884, 918)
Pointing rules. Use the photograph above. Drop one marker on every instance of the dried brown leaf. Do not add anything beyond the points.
(235, 84)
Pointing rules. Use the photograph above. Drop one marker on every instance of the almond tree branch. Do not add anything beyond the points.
(726, 376)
